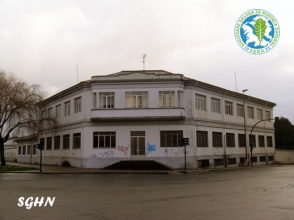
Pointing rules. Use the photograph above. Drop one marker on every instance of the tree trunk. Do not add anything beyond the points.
(3, 162)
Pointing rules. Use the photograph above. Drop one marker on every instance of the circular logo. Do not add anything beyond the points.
(257, 31)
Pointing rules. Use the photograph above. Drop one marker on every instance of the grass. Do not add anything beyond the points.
(10, 168)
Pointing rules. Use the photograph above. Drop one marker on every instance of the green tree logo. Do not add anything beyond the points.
(259, 29)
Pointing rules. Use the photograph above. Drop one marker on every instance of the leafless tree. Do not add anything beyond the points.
(19, 109)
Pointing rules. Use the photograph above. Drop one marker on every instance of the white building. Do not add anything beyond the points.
(143, 115)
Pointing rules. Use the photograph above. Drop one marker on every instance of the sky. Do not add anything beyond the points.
(47, 42)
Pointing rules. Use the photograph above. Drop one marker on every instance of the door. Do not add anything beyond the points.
(137, 142)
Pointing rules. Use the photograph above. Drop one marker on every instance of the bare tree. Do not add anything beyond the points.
(19, 109)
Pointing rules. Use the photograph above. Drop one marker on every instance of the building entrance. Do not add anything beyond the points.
(137, 143)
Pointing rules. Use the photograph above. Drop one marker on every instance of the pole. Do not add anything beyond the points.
(185, 158)
(41, 161)
(246, 157)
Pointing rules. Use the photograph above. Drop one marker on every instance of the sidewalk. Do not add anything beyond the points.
(50, 169)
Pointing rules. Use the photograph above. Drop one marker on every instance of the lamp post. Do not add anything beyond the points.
(246, 158)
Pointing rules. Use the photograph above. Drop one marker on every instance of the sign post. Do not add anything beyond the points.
(185, 143)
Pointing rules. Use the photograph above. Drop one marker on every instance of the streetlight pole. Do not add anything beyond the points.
(246, 157)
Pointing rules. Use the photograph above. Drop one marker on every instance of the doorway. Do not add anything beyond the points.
(137, 143)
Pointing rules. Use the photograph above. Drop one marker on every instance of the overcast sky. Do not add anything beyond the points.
(44, 41)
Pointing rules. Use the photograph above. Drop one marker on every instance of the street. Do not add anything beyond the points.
(253, 193)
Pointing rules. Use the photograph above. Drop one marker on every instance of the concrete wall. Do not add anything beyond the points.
(285, 156)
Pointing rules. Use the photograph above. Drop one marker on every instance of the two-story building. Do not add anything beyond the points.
(143, 115)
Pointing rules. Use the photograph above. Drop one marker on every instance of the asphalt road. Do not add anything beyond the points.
(258, 193)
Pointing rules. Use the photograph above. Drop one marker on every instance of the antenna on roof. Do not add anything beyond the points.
(77, 73)
(236, 81)
(144, 57)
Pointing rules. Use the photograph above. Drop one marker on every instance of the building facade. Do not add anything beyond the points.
(143, 115)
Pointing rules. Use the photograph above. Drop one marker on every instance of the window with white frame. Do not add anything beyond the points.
(136, 99)
(180, 99)
(261, 141)
(240, 110)
(259, 114)
(106, 100)
(250, 112)
(171, 138)
(49, 143)
(58, 111)
(104, 140)
(200, 102)
(78, 104)
(269, 140)
(228, 108)
(267, 114)
(215, 105)
(77, 141)
(57, 142)
(24, 150)
(50, 112)
(67, 108)
(29, 147)
(166, 99)
(241, 140)
(94, 100)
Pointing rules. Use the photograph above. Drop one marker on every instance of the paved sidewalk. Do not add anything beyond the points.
(50, 169)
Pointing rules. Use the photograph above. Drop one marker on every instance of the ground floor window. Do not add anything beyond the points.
(49, 143)
(241, 140)
(271, 158)
(261, 141)
(56, 142)
(202, 138)
(104, 140)
(34, 149)
(66, 141)
(217, 140)
(203, 163)
(218, 162)
(254, 159)
(23, 150)
(230, 139)
(262, 158)
(232, 161)
(171, 138)
(19, 150)
(269, 140)
(29, 149)
(76, 140)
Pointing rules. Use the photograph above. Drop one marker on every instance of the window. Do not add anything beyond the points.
(94, 100)
(259, 114)
(104, 140)
(44, 114)
(56, 142)
(67, 108)
(58, 111)
(250, 112)
(136, 99)
(241, 140)
(269, 140)
(166, 99)
(29, 147)
(77, 141)
(171, 138)
(262, 158)
(203, 163)
(271, 158)
(42, 142)
(202, 138)
(229, 108)
(252, 140)
(240, 110)
(232, 161)
(50, 112)
(23, 150)
(106, 100)
(34, 149)
(180, 99)
(78, 104)
(267, 114)
(215, 105)
(261, 141)
(19, 150)
(230, 139)
(200, 102)
(254, 159)
(66, 141)
(218, 162)
(49, 143)
(217, 140)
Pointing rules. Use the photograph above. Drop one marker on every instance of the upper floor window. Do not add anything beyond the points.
(44, 114)
(58, 111)
(67, 108)
(240, 110)
(180, 99)
(50, 112)
(106, 100)
(229, 108)
(94, 100)
(136, 99)
(267, 114)
(78, 104)
(259, 114)
(200, 102)
(215, 105)
(166, 99)
(250, 112)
